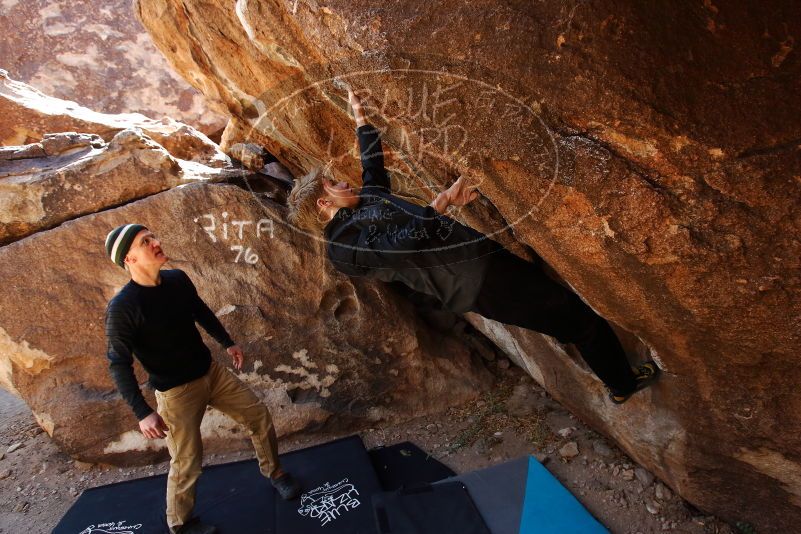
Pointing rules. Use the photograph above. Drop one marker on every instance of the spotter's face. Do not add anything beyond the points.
(146, 251)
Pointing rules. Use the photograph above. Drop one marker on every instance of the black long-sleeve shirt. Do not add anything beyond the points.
(157, 325)
(393, 240)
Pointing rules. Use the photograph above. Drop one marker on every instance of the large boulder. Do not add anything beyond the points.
(322, 351)
(67, 175)
(648, 152)
(27, 115)
(99, 56)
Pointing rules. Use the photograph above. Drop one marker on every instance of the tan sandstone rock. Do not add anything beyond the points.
(68, 175)
(323, 351)
(98, 55)
(27, 115)
(649, 153)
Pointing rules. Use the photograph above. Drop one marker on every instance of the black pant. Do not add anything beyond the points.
(519, 293)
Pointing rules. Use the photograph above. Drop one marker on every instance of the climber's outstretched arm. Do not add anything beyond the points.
(370, 148)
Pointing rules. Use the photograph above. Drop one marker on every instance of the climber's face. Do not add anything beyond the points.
(339, 195)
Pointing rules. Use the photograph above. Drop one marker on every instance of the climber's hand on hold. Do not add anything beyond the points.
(461, 193)
(356, 105)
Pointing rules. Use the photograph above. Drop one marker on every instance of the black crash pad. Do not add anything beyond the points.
(429, 509)
(337, 478)
(405, 464)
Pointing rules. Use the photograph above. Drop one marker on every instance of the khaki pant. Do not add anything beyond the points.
(182, 408)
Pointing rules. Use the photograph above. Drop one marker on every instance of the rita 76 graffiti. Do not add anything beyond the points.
(225, 230)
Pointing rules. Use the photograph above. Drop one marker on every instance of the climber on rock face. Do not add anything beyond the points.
(372, 232)
(153, 318)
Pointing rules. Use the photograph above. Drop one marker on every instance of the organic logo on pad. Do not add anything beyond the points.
(329, 501)
(118, 527)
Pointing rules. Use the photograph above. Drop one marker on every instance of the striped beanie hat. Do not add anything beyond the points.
(119, 241)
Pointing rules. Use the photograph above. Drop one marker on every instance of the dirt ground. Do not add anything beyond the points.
(38, 483)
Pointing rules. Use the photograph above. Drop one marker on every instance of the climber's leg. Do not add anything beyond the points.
(519, 293)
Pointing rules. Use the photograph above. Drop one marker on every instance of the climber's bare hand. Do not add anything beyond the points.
(461, 193)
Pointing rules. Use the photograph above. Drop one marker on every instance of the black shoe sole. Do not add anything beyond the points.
(641, 383)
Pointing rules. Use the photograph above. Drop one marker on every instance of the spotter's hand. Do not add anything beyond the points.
(153, 426)
(237, 357)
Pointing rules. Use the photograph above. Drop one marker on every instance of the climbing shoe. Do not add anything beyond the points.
(645, 375)
(287, 487)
